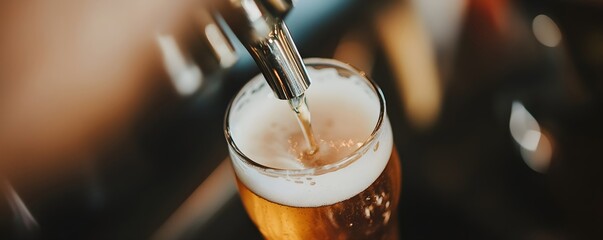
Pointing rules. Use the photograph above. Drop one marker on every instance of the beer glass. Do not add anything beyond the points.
(349, 191)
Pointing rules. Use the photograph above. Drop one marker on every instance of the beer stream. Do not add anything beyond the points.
(300, 107)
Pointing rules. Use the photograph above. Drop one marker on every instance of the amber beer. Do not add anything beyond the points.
(348, 190)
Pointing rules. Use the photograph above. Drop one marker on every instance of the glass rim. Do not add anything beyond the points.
(344, 161)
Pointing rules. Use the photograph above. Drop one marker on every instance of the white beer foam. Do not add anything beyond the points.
(342, 108)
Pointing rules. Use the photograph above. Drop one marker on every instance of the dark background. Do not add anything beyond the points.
(463, 177)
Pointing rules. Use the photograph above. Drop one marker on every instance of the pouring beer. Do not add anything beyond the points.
(347, 188)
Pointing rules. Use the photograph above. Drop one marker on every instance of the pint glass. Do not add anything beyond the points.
(350, 191)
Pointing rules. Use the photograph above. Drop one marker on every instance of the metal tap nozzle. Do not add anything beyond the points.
(260, 27)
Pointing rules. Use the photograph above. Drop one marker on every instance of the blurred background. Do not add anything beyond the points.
(111, 114)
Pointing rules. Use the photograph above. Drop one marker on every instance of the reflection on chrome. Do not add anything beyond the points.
(185, 76)
(535, 147)
(546, 31)
(22, 215)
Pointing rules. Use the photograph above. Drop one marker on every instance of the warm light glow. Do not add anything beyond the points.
(535, 147)
(355, 49)
(540, 158)
(220, 45)
(251, 10)
(546, 31)
(185, 76)
(74, 77)
(442, 19)
(412, 58)
(524, 127)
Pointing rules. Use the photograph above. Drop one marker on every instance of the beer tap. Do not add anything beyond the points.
(259, 25)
